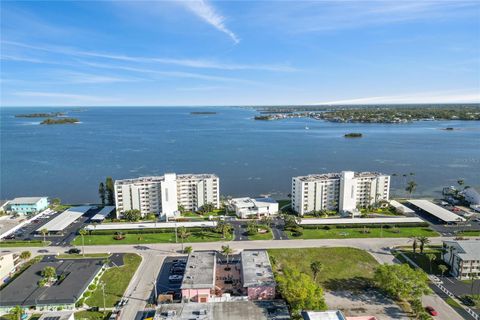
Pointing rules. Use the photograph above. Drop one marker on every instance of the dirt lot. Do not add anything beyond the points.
(364, 303)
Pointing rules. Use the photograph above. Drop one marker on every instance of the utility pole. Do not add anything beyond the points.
(103, 291)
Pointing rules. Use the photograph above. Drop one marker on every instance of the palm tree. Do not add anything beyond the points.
(316, 267)
(17, 312)
(411, 186)
(188, 250)
(413, 239)
(430, 257)
(25, 255)
(443, 268)
(183, 234)
(227, 251)
(44, 233)
(82, 233)
(423, 241)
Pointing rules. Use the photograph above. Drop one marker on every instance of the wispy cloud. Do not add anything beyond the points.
(79, 77)
(208, 13)
(191, 63)
(453, 96)
(61, 95)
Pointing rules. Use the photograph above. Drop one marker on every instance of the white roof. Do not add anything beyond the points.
(26, 200)
(248, 202)
(398, 205)
(323, 315)
(256, 269)
(467, 249)
(361, 220)
(150, 225)
(102, 214)
(65, 219)
(437, 211)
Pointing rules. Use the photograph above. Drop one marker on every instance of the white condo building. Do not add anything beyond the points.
(162, 195)
(344, 192)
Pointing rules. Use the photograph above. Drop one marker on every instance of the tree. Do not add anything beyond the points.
(25, 255)
(82, 233)
(102, 192)
(411, 186)
(443, 268)
(110, 190)
(300, 291)
(44, 233)
(413, 239)
(431, 257)
(188, 249)
(49, 273)
(423, 241)
(17, 312)
(252, 228)
(183, 234)
(227, 251)
(56, 201)
(316, 267)
(402, 282)
(223, 228)
(181, 208)
(132, 215)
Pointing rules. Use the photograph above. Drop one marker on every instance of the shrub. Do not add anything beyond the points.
(297, 231)
(87, 294)
(92, 287)
(79, 303)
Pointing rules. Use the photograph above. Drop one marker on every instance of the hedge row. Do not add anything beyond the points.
(144, 231)
(364, 225)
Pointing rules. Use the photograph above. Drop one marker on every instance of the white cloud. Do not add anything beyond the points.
(209, 14)
(454, 96)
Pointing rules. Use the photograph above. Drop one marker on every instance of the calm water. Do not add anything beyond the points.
(251, 157)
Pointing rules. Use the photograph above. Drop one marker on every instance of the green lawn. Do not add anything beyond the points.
(469, 233)
(284, 202)
(144, 238)
(116, 280)
(422, 261)
(345, 268)
(91, 315)
(334, 233)
(80, 256)
(33, 243)
(262, 236)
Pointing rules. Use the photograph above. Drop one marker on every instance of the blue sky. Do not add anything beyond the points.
(88, 53)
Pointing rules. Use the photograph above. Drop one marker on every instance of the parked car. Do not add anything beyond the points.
(431, 311)
(74, 251)
(175, 278)
(177, 271)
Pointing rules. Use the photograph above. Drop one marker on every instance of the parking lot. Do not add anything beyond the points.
(170, 277)
(27, 232)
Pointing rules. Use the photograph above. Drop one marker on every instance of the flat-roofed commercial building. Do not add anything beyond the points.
(256, 207)
(257, 275)
(27, 205)
(344, 192)
(463, 257)
(198, 282)
(161, 195)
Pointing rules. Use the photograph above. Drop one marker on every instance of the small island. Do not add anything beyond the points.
(60, 121)
(202, 112)
(448, 129)
(353, 135)
(40, 115)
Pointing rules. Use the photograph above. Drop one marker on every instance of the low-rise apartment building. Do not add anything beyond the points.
(8, 265)
(257, 275)
(161, 195)
(343, 192)
(463, 257)
(253, 207)
(28, 205)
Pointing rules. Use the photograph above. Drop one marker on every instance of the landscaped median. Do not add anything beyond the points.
(108, 237)
(339, 232)
(29, 243)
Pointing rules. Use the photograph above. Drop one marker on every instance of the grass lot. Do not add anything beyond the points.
(144, 238)
(262, 236)
(116, 280)
(32, 243)
(343, 268)
(469, 233)
(334, 233)
(452, 303)
(383, 211)
(284, 202)
(91, 315)
(422, 261)
(80, 256)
